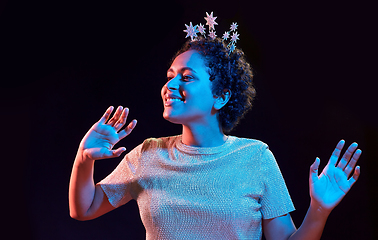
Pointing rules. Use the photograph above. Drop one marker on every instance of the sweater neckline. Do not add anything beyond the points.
(203, 150)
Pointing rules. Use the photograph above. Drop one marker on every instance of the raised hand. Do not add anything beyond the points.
(328, 189)
(99, 141)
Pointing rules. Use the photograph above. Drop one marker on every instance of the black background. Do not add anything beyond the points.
(64, 62)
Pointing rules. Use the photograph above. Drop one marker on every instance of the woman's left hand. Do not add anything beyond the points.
(328, 189)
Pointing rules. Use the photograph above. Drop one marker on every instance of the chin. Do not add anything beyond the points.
(171, 119)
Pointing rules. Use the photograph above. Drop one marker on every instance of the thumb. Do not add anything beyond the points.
(314, 170)
(118, 152)
(114, 153)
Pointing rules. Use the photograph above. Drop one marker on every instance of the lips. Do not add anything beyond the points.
(169, 99)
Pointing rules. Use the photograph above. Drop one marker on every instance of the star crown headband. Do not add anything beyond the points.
(191, 31)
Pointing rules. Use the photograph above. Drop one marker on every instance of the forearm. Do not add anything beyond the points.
(82, 187)
(312, 225)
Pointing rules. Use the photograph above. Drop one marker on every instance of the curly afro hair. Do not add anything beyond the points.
(227, 71)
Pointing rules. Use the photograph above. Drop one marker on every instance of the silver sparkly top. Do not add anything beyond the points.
(186, 192)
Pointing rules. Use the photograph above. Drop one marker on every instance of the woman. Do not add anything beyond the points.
(204, 184)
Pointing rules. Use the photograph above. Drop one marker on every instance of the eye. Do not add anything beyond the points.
(169, 78)
(187, 77)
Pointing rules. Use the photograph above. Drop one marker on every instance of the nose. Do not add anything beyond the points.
(173, 84)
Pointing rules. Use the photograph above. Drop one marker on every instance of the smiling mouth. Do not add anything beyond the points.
(174, 100)
(169, 101)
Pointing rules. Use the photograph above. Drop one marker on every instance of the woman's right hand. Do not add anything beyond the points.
(99, 141)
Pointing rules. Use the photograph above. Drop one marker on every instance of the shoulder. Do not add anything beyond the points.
(248, 143)
(149, 147)
(256, 152)
(158, 143)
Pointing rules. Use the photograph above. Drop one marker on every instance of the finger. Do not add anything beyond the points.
(106, 115)
(355, 176)
(115, 117)
(128, 129)
(118, 152)
(349, 168)
(346, 157)
(314, 170)
(336, 153)
(113, 153)
(122, 119)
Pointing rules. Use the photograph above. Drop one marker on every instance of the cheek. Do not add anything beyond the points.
(201, 98)
(205, 92)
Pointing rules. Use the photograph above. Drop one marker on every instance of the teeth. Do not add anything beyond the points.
(174, 99)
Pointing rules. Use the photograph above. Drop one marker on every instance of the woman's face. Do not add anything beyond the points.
(187, 95)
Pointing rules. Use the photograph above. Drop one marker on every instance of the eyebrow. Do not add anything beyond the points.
(183, 69)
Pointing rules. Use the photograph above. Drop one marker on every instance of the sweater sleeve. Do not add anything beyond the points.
(117, 185)
(276, 200)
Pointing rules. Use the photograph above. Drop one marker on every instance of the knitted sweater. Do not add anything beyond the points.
(186, 192)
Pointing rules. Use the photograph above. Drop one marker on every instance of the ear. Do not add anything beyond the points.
(223, 99)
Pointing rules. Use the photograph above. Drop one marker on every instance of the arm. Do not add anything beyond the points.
(87, 201)
(283, 228)
(326, 191)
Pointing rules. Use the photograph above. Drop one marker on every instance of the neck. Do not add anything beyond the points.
(203, 136)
